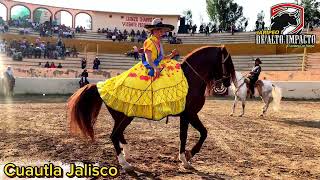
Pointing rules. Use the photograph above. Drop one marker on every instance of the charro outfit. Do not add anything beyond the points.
(137, 93)
(254, 76)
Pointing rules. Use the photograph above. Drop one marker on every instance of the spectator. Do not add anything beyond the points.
(84, 78)
(74, 51)
(47, 65)
(67, 53)
(201, 30)
(2, 46)
(96, 63)
(257, 25)
(2, 29)
(52, 65)
(9, 72)
(135, 53)
(114, 37)
(232, 29)
(6, 28)
(132, 33)
(194, 29)
(207, 30)
(83, 63)
(59, 65)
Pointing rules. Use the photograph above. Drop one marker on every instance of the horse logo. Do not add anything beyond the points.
(287, 18)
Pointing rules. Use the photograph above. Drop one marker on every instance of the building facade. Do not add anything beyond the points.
(96, 19)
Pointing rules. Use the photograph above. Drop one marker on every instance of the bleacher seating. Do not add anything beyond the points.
(85, 36)
(288, 62)
(313, 62)
(218, 38)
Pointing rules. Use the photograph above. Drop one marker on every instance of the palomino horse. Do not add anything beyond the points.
(200, 67)
(8, 83)
(265, 89)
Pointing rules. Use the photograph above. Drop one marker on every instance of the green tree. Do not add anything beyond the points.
(188, 15)
(226, 12)
(311, 12)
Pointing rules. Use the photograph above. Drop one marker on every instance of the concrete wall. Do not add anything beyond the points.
(46, 85)
(292, 89)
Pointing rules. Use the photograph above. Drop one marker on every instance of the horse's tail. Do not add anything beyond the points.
(277, 96)
(83, 109)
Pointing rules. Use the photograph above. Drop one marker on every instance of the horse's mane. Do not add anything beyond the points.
(196, 50)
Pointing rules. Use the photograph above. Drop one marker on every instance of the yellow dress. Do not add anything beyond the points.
(137, 94)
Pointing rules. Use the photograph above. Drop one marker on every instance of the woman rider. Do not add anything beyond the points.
(154, 88)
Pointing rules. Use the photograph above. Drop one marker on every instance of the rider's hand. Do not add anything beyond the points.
(174, 52)
(156, 73)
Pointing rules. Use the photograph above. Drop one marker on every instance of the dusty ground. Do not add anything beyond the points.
(283, 145)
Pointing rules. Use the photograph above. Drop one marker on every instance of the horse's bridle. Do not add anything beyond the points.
(224, 76)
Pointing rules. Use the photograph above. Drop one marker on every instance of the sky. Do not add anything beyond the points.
(198, 7)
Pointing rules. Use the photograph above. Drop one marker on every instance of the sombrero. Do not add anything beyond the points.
(157, 24)
(259, 61)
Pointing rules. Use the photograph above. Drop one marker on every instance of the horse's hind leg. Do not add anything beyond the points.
(266, 99)
(124, 146)
(120, 123)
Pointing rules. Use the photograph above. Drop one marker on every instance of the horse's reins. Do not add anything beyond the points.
(203, 79)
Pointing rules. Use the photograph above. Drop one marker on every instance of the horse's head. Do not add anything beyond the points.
(212, 65)
(224, 71)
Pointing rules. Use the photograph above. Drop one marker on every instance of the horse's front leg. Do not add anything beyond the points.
(234, 105)
(184, 155)
(197, 124)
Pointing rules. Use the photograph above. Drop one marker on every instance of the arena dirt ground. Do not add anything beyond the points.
(283, 145)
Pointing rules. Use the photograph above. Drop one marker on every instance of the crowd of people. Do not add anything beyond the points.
(209, 28)
(118, 35)
(38, 49)
(134, 36)
(52, 65)
(45, 29)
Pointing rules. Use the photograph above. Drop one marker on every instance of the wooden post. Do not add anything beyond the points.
(86, 47)
(97, 49)
(304, 54)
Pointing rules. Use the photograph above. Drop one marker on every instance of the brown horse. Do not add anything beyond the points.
(201, 67)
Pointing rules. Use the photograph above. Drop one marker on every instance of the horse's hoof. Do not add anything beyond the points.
(128, 167)
(231, 114)
(188, 166)
(261, 115)
(188, 156)
(240, 115)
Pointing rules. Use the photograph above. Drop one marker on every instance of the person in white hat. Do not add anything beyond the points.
(155, 87)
